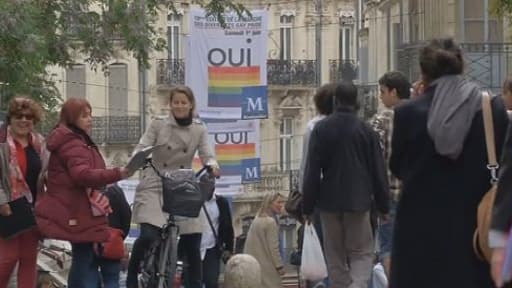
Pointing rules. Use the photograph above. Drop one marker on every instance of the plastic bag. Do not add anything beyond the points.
(313, 263)
(379, 279)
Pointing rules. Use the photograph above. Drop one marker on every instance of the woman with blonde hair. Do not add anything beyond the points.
(263, 240)
(180, 135)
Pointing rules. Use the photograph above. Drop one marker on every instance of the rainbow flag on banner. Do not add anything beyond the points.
(227, 85)
(230, 157)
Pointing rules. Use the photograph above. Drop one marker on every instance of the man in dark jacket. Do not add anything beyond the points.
(345, 170)
(217, 241)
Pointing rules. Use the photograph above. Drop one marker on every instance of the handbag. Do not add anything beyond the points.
(113, 248)
(484, 212)
(293, 205)
(21, 219)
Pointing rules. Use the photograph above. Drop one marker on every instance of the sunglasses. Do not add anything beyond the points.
(26, 116)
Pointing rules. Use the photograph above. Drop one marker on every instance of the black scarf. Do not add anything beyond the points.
(184, 121)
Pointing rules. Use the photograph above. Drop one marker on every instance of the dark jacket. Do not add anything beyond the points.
(436, 214)
(502, 210)
(345, 169)
(121, 215)
(64, 212)
(226, 233)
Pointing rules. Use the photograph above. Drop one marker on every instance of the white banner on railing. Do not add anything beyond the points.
(227, 67)
(237, 149)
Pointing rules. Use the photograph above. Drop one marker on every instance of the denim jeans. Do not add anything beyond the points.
(84, 267)
(110, 270)
(386, 232)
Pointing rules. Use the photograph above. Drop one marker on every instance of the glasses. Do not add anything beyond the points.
(26, 116)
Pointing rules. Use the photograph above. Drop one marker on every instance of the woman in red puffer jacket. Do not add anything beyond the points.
(72, 209)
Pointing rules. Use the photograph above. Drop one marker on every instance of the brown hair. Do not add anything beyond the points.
(72, 110)
(185, 90)
(439, 58)
(19, 104)
(324, 98)
(507, 84)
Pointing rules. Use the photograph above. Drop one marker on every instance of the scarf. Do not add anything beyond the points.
(455, 103)
(19, 186)
(184, 121)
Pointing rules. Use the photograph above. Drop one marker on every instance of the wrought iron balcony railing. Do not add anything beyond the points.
(486, 63)
(342, 70)
(279, 72)
(292, 72)
(170, 72)
(116, 129)
(279, 181)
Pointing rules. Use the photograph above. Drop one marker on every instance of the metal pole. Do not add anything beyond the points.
(462, 21)
(486, 21)
(318, 39)
(142, 82)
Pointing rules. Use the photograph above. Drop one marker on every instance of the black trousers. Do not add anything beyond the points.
(148, 234)
(211, 268)
(189, 250)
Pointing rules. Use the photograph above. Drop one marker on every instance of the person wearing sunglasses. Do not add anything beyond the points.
(22, 154)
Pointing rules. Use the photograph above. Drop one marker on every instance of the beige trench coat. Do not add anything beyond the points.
(180, 146)
(263, 244)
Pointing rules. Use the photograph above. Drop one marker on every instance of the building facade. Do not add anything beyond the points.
(393, 30)
(309, 43)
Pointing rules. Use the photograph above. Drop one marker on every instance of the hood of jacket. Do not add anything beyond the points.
(60, 135)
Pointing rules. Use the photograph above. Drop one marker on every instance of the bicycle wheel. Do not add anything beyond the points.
(168, 260)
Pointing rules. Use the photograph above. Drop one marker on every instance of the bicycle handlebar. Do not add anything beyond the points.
(207, 168)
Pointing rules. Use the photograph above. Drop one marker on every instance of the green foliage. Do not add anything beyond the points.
(36, 34)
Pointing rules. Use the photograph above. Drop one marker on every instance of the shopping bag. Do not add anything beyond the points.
(313, 263)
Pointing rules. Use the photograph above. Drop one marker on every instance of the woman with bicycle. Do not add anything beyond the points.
(181, 135)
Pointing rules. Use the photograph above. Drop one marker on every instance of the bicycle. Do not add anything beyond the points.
(182, 197)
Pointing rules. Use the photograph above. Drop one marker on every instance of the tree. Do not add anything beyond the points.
(36, 34)
(501, 7)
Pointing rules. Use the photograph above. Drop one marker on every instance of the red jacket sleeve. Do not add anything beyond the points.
(85, 165)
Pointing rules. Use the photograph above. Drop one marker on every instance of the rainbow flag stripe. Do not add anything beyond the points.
(230, 157)
(226, 84)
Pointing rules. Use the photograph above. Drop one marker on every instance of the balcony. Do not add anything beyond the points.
(116, 129)
(488, 64)
(292, 72)
(342, 70)
(171, 72)
(278, 181)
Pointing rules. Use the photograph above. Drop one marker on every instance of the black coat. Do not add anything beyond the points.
(345, 169)
(502, 210)
(436, 214)
(226, 235)
(121, 215)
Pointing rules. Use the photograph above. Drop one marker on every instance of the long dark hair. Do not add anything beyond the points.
(439, 58)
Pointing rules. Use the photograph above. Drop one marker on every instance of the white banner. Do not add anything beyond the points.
(237, 149)
(227, 68)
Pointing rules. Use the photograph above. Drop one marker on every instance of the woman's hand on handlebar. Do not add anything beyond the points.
(214, 170)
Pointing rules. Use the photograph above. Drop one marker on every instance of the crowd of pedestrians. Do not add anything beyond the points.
(411, 177)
